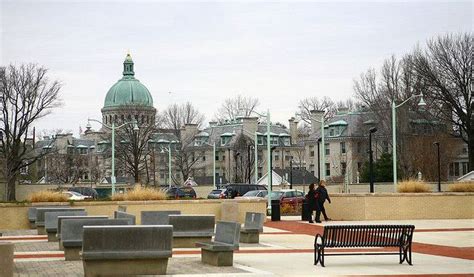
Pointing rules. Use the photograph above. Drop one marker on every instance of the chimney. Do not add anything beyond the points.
(293, 129)
(188, 132)
(249, 125)
(316, 116)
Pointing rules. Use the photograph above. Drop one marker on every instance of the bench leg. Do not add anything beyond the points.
(405, 254)
(217, 258)
(319, 256)
(72, 253)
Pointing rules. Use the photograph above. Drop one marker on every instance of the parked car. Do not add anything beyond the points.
(234, 190)
(216, 194)
(72, 195)
(288, 196)
(86, 191)
(180, 192)
(255, 194)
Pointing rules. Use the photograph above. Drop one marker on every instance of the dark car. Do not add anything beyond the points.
(180, 193)
(86, 191)
(216, 194)
(234, 190)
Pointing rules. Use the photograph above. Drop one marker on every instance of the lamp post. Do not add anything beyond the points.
(291, 173)
(169, 160)
(371, 160)
(322, 173)
(394, 132)
(439, 166)
(319, 161)
(113, 128)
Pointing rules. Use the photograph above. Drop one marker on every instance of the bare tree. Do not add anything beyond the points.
(186, 156)
(26, 95)
(236, 106)
(132, 146)
(176, 116)
(66, 168)
(309, 104)
(446, 71)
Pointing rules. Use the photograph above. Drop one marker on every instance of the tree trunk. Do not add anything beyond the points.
(470, 147)
(11, 185)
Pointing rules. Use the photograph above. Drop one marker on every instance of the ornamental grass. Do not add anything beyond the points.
(461, 187)
(413, 186)
(47, 196)
(140, 194)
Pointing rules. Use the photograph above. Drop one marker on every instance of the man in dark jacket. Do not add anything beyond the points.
(311, 200)
(322, 195)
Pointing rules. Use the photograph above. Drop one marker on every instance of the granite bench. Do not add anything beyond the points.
(51, 222)
(72, 233)
(126, 250)
(253, 226)
(32, 214)
(119, 214)
(61, 218)
(156, 217)
(190, 229)
(220, 251)
(40, 216)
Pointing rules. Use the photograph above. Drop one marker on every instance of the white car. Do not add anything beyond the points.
(72, 195)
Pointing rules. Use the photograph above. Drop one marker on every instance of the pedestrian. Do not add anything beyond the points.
(322, 195)
(311, 200)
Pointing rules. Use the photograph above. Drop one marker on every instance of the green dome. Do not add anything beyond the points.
(128, 90)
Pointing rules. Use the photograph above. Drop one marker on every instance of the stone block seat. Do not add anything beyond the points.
(190, 229)
(32, 215)
(72, 233)
(51, 222)
(41, 215)
(220, 252)
(156, 217)
(126, 250)
(61, 218)
(119, 214)
(253, 226)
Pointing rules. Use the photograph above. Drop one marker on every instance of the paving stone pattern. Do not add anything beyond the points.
(176, 265)
(29, 232)
(36, 246)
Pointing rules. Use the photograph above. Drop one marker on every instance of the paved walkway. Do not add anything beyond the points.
(441, 247)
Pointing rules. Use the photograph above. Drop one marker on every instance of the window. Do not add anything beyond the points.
(286, 141)
(277, 157)
(328, 169)
(274, 140)
(326, 149)
(343, 147)
(385, 146)
(331, 132)
(311, 153)
(465, 168)
(260, 140)
(203, 158)
(217, 157)
(343, 168)
(288, 157)
(456, 169)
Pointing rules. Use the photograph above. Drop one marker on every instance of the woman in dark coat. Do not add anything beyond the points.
(312, 203)
(322, 195)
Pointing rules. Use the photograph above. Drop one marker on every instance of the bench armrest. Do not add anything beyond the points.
(217, 246)
(316, 243)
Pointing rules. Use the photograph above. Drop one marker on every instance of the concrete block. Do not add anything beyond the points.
(51, 222)
(230, 211)
(249, 237)
(40, 216)
(157, 217)
(119, 214)
(217, 258)
(6, 259)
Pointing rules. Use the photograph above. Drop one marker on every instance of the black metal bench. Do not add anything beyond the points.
(352, 236)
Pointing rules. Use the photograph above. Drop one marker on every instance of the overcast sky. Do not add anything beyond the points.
(204, 52)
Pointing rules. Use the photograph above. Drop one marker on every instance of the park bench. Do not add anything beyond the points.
(363, 236)
(119, 214)
(71, 233)
(32, 214)
(190, 229)
(61, 218)
(126, 250)
(51, 222)
(253, 226)
(40, 216)
(156, 217)
(220, 251)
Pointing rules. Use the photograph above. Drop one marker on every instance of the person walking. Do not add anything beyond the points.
(322, 195)
(311, 199)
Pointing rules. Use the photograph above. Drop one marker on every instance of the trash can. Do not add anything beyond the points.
(305, 214)
(276, 210)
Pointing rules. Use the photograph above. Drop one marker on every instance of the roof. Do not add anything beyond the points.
(208, 180)
(298, 176)
(128, 90)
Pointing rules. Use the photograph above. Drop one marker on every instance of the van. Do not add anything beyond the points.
(234, 190)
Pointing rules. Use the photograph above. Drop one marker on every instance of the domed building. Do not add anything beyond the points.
(128, 99)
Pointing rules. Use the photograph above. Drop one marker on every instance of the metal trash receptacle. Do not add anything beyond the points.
(305, 214)
(276, 210)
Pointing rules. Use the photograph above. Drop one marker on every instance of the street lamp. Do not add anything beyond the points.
(371, 160)
(439, 167)
(322, 173)
(113, 128)
(394, 131)
(291, 173)
(169, 160)
(319, 161)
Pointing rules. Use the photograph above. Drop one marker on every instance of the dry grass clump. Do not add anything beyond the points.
(47, 196)
(462, 187)
(413, 186)
(140, 194)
